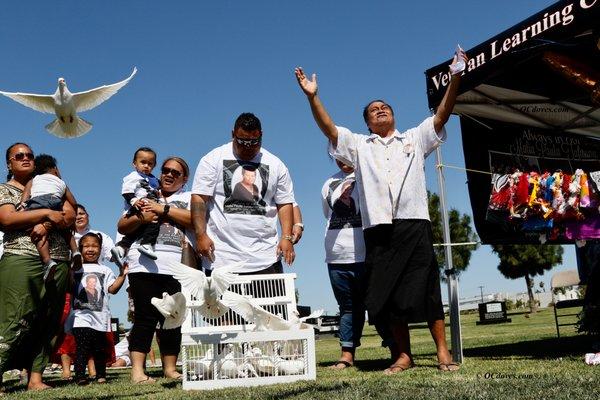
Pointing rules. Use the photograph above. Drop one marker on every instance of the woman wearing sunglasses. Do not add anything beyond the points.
(150, 278)
(30, 310)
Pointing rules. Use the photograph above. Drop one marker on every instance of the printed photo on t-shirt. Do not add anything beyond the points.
(344, 205)
(245, 186)
(88, 293)
(169, 235)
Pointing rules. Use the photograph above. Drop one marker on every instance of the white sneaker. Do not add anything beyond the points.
(49, 270)
(118, 255)
(148, 251)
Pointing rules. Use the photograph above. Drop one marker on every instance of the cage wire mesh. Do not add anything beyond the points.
(246, 359)
(274, 293)
(226, 351)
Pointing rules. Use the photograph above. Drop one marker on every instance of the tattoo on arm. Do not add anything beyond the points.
(198, 208)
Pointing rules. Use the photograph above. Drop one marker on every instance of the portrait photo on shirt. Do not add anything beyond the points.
(344, 205)
(169, 235)
(88, 291)
(245, 186)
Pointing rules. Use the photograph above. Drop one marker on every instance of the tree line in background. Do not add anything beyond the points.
(516, 261)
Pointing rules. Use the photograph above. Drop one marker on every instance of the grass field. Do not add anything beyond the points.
(519, 360)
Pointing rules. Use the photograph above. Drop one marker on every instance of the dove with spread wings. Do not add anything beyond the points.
(66, 105)
(172, 308)
(208, 291)
(262, 319)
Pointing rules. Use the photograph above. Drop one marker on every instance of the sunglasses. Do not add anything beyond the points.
(174, 173)
(248, 142)
(22, 156)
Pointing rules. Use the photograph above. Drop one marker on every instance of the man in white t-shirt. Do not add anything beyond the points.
(240, 190)
(401, 271)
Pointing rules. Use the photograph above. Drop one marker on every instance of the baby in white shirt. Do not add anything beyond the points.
(48, 190)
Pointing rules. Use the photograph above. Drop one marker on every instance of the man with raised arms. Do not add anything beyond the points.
(402, 277)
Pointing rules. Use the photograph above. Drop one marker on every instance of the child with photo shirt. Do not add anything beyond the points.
(92, 284)
(47, 190)
(138, 186)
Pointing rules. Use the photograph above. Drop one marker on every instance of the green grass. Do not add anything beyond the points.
(519, 360)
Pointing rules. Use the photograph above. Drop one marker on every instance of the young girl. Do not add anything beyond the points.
(92, 283)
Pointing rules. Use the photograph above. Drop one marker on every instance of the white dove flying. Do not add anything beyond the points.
(262, 319)
(207, 290)
(66, 105)
(172, 308)
(295, 317)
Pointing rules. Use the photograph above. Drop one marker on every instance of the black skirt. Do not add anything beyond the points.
(402, 275)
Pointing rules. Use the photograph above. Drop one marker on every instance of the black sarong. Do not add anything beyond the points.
(402, 276)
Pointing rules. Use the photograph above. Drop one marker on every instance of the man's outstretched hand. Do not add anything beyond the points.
(309, 87)
(459, 62)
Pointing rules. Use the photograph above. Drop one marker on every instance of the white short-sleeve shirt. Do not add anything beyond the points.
(122, 350)
(132, 183)
(344, 241)
(46, 184)
(90, 297)
(242, 215)
(169, 243)
(390, 172)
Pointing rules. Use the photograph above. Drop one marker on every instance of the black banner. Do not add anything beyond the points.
(565, 23)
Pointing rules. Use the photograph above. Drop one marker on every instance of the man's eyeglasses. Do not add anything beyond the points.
(174, 173)
(22, 156)
(248, 142)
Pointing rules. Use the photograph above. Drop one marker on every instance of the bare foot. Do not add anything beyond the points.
(142, 380)
(444, 357)
(402, 363)
(448, 367)
(173, 375)
(38, 386)
(397, 368)
(445, 362)
(341, 364)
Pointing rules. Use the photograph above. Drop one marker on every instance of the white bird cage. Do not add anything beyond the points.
(215, 361)
(227, 352)
(275, 293)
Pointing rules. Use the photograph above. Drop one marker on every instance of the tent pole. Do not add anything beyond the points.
(453, 301)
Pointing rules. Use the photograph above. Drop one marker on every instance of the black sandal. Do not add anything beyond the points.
(397, 368)
(448, 367)
(346, 364)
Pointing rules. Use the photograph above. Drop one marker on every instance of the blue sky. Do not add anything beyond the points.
(203, 63)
